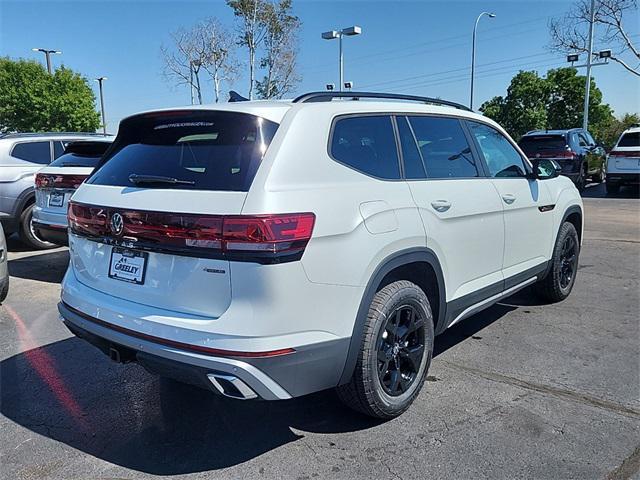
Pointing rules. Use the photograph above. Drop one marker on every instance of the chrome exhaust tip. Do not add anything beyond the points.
(231, 386)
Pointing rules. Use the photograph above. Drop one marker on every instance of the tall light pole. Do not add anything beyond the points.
(330, 35)
(47, 53)
(473, 52)
(587, 91)
(104, 121)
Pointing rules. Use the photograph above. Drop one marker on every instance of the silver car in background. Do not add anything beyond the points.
(21, 156)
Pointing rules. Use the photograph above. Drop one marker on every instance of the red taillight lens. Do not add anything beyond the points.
(45, 180)
(274, 233)
(628, 154)
(278, 237)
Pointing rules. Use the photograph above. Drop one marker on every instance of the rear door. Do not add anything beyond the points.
(528, 216)
(145, 227)
(460, 208)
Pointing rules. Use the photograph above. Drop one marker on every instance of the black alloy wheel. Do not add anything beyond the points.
(568, 261)
(400, 347)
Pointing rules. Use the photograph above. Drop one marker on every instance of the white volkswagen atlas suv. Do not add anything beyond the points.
(623, 162)
(274, 249)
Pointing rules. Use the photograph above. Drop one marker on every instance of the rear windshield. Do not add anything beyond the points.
(630, 140)
(541, 143)
(196, 150)
(81, 154)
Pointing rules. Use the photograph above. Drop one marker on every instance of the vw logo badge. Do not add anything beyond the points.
(117, 224)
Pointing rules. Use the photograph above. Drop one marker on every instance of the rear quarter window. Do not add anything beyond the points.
(366, 143)
(34, 152)
(204, 150)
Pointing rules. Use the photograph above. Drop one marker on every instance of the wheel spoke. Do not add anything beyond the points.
(413, 355)
(394, 381)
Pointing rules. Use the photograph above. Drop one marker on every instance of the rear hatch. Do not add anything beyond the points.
(146, 226)
(552, 146)
(626, 154)
(56, 183)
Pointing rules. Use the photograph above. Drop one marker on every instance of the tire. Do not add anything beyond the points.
(4, 288)
(27, 235)
(598, 177)
(559, 281)
(388, 374)
(581, 181)
(612, 189)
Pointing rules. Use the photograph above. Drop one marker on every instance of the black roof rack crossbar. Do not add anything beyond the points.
(328, 96)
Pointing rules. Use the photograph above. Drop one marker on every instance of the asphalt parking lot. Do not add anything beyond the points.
(520, 390)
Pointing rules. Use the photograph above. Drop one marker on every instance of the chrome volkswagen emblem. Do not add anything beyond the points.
(116, 224)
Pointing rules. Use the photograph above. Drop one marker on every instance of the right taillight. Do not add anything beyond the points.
(263, 238)
(628, 154)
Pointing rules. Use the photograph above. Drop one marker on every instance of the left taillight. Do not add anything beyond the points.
(263, 238)
(46, 180)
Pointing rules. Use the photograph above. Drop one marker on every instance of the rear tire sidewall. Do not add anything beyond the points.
(27, 236)
(410, 294)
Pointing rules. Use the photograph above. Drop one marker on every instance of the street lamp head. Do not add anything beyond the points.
(100, 79)
(56, 51)
(330, 86)
(350, 31)
(604, 54)
(330, 35)
(573, 57)
(37, 49)
(491, 15)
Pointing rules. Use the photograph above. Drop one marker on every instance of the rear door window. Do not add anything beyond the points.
(35, 152)
(205, 150)
(367, 144)
(443, 145)
(631, 139)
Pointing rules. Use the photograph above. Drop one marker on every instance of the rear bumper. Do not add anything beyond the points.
(310, 368)
(616, 178)
(52, 233)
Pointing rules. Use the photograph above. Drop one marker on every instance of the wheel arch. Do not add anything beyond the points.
(405, 265)
(573, 215)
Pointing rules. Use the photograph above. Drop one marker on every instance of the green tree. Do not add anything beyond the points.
(553, 102)
(609, 133)
(31, 100)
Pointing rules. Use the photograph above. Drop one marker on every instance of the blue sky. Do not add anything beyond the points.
(420, 47)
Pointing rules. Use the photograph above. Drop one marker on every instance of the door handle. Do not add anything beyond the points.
(441, 205)
(509, 198)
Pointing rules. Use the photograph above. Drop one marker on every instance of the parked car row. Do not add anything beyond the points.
(21, 156)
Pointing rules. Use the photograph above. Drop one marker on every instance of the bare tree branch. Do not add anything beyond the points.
(570, 32)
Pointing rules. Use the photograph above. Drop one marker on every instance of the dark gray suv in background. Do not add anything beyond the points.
(579, 155)
(21, 156)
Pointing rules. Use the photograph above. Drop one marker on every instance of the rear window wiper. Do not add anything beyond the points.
(135, 178)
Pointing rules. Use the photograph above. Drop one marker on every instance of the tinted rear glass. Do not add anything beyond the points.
(36, 152)
(542, 143)
(630, 140)
(81, 154)
(202, 150)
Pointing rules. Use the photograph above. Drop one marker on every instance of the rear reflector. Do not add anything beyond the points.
(47, 180)
(264, 238)
(628, 154)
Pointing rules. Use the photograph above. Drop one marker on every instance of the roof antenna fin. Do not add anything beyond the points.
(236, 97)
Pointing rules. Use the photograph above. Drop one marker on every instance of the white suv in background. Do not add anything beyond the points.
(623, 162)
(275, 249)
(56, 183)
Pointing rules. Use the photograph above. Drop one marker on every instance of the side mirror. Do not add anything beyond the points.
(545, 168)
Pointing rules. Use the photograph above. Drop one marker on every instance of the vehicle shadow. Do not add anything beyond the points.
(598, 190)
(72, 393)
(44, 267)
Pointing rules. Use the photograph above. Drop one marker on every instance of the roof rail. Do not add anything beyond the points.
(328, 96)
(51, 134)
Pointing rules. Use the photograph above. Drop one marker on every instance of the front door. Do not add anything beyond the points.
(528, 215)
